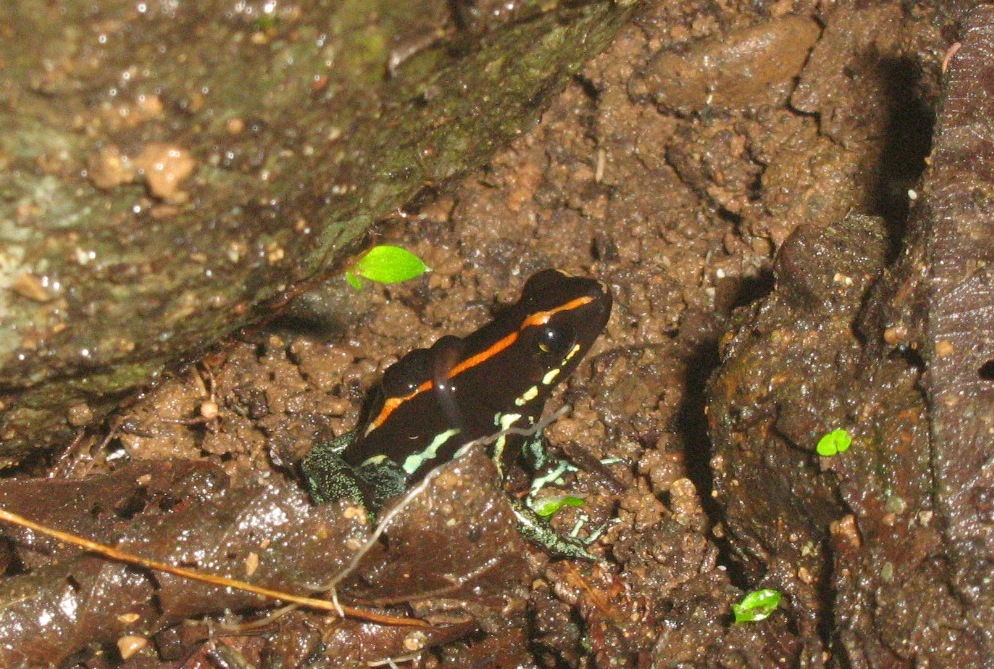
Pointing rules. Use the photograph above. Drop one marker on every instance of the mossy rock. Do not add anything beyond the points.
(172, 170)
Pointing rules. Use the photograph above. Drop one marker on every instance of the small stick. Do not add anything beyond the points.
(122, 556)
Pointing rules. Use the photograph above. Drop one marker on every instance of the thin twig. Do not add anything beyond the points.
(122, 556)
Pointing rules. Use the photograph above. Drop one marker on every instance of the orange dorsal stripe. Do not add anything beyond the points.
(538, 318)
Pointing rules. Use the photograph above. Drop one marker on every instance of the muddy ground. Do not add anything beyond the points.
(673, 169)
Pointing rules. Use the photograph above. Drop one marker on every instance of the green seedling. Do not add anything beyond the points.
(264, 23)
(385, 264)
(833, 443)
(756, 606)
(550, 506)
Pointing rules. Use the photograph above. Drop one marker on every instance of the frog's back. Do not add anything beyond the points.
(434, 401)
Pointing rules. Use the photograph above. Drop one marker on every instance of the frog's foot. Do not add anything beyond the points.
(385, 478)
(327, 476)
(540, 533)
(591, 536)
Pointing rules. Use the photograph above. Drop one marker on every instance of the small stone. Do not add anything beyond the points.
(164, 167)
(29, 286)
(79, 414)
(109, 167)
(209, 409)
(127, 646)
(895, 334)
(251, 563)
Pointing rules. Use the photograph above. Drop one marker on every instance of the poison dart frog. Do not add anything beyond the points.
(434, 401)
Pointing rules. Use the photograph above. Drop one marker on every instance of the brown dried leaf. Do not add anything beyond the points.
(456, 538)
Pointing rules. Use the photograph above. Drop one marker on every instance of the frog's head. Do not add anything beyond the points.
(561, 316)
(534, 344)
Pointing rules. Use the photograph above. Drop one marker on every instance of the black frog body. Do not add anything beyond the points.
(434, 401)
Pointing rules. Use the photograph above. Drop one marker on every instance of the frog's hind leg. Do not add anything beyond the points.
(328, 477)
(385, 478)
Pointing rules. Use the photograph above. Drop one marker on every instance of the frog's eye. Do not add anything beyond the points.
(404, 376)
(397, 383)
(555, 340)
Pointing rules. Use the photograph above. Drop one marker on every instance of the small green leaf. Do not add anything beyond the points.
(386, 264)
(756, 606)
(550, 506)
(264, 23)
(833, 443)
(353, 280)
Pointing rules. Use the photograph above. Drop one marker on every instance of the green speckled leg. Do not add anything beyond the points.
(328, 476)
(538, 458)
(540, 533)
(386, 479)
(530, 524)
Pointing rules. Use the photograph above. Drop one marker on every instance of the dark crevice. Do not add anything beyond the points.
(906, 144)
(692, 427)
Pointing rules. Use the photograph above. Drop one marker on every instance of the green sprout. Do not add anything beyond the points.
(833, 443)
(264, 23)
(550, 506)
(756, 606)
(385, 264)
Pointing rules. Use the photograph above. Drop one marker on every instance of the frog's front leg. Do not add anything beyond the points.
(539, 532)
(538, 459)
(533, 527)
(535, 452)
(384, 478)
